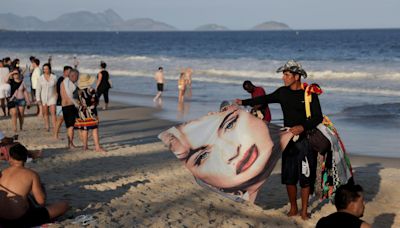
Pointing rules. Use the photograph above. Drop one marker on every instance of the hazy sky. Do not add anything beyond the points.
(235, 14)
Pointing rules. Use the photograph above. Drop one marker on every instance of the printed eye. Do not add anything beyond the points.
(201, 157)
(231, 123)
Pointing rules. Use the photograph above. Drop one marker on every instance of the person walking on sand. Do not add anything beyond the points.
(18, 101)
(60, 118)
(34, 81)
(103, 84)
(5, 88)
(46, 95)
(181, 87)
(298, 159)
(17, 185)
(159, 78)
(69, 106)
(350, 205)
(87, 112)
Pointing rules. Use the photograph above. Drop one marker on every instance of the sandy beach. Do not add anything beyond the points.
(139, 183)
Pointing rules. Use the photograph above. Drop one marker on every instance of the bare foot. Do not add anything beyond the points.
(101, 150)
(305, 216)
(71, 146)
(292, 212)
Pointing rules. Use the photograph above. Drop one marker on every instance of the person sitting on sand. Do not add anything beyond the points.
(7, 142)
(350, 205)
(16, 184)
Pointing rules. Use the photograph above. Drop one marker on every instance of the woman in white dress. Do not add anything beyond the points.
(46, 95)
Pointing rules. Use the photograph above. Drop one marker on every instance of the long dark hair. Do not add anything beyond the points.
(48, 65)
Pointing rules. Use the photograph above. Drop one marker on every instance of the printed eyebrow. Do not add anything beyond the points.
(191, 152)
(224, 120)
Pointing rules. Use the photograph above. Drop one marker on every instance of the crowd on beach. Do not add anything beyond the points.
(73, 100)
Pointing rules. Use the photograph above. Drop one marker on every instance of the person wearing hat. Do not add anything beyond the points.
(87, 111)
(298, 159)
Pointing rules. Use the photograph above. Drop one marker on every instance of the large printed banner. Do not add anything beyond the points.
(231, 152)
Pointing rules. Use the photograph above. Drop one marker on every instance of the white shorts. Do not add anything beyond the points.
(5, 90)
(59, 110)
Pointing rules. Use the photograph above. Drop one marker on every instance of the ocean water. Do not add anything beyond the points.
(359, 71)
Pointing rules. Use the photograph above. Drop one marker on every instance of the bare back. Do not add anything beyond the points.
(159, 77)
(15, 185)
(65, 99)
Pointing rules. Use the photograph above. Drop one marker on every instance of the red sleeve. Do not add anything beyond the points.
(258, 92)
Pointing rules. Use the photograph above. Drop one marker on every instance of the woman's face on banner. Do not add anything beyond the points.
(237, 151)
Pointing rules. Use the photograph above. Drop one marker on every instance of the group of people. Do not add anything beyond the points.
(53, 96)
(184, 83)
(70, 99)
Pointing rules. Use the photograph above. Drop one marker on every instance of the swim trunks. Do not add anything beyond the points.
(70, 113)
(160, 87)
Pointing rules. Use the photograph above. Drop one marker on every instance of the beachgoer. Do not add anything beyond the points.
(69, 106)
(103, 84)
(87, 112)
(229, 150)
(34, 81)
(188, 75)
(159, 78)
(298, 159)
(181, 87)
(16, 185)
(350, 205)
(46, 95)
(7, 142)
(60, 118)
(257, 91)
(75, 62)
(18, 100)
(5, 88)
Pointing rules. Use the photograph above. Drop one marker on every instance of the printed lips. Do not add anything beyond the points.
(248, 159)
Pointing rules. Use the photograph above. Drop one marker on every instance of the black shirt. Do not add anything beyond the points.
(59, 81)
(293, 107)
(14, 86)
(341, 220)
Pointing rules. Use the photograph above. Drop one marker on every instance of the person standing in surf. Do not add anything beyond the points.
(159, 77)
(298, 159)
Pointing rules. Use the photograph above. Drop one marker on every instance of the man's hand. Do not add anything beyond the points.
(297, 130)
(238, 101)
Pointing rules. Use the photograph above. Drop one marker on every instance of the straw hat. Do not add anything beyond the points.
(85, 81)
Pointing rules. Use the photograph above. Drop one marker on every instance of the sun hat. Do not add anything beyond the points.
(85, 81)
(293, 67)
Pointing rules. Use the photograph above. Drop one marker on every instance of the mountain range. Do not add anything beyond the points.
(108, 20)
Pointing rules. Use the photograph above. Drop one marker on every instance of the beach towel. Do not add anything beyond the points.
(230, 152)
